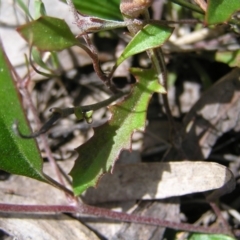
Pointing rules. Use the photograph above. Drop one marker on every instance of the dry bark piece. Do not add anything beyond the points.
(159, 181)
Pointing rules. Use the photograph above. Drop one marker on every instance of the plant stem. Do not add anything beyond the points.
(102, 104)
(101, 212)
(82, 109)
(158, 62)
(37, 208)
(60, 186)
(22, 87)
(220, 217)
(64, 112)
(96, 64)
(109, 214)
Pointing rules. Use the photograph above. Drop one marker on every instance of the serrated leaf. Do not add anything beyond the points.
(98, 155)
(48, 34)
(151, 36)
(219, 11)
(203, 236)
(18, 156)
(108, 9)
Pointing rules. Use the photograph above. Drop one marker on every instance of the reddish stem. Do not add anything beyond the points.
(220, 217)
(106, 213)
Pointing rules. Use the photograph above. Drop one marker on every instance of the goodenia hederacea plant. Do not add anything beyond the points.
(109, 140)
(18, 156)
(98, 155)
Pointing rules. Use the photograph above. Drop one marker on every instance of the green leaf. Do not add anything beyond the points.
(55, 60)
(108, 9)
(231, 58)
(219, 11)
(37, 58)
(39, 9)
(48, 34)
(151, 36)
(18, 156)
(98, 155)
(203, 236)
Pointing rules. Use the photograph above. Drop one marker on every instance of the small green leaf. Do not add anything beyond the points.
(48, 34)
(39, 9)
(53, 59)
(219, 11)
(98, 155)
(88, 116)
(37, 58)
(151, 36)
(230, 58)
(108, 9)
(18, 156)
(203, 236)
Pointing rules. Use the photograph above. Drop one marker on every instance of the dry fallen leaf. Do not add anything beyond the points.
(159, 180)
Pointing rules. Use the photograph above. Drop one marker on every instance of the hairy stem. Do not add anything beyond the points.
(109, 214)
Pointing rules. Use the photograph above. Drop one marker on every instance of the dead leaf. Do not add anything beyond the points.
(158, 181)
